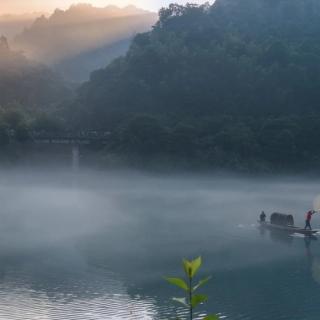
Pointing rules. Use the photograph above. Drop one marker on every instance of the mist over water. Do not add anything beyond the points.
(95, 245)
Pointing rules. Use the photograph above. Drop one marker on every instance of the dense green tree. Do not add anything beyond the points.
(142, 135)
(47, 123)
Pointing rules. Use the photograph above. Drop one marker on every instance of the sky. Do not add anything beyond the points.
(25, 6)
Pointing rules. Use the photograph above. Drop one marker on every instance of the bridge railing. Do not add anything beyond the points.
(82, 137)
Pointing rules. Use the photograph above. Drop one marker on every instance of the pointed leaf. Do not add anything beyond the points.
(201, 283)
(178, 282)
(181, 301)
(211, 317)
(191, 267)
(187, 267)
(198, 298)
(195, 265)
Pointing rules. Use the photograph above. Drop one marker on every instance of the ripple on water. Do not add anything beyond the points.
(20, 305)
(85, 300)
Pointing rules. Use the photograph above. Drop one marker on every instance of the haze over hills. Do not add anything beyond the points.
(81, 31)
(26, 84)
(11, 24)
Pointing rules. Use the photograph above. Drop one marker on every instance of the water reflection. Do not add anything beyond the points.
(52, 285)
(284, 238)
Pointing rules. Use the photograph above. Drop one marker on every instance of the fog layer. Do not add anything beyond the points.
(104, 240)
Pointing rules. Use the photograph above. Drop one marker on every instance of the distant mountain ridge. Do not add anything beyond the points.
(82, 12)
(79, 30)
(13, 24)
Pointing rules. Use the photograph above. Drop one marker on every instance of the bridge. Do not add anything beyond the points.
(80, 138)
(74, 140)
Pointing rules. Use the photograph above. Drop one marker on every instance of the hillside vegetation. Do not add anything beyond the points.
(232, 84)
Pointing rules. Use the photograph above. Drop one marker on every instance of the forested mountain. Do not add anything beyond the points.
(82, 31)
(253, 57)
(236, 82)
(26, 84)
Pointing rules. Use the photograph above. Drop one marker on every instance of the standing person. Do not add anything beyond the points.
(308, 219)
(263, 217)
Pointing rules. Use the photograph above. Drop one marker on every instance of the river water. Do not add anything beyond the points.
(96, 245)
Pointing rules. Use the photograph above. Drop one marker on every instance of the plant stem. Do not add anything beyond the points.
(190, 298)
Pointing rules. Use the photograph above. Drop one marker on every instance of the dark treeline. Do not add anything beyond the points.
(234, 84)
(230, 142)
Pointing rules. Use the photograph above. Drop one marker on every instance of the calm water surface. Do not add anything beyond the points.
(95, 246)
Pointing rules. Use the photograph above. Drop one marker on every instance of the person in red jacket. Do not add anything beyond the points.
(308, 219)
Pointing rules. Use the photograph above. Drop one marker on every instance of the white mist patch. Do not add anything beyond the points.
(136, 217)
(40, 215)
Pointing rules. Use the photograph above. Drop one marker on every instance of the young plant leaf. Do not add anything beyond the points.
(178, 282)
(211, 317)
(197, 299)
(191, 267)
(187, 267)
(201, 283)
(195, 265)
(182, 301)
(191, 300)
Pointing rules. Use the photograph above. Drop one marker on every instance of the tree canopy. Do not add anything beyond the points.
(236, 82)
(245, 57)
